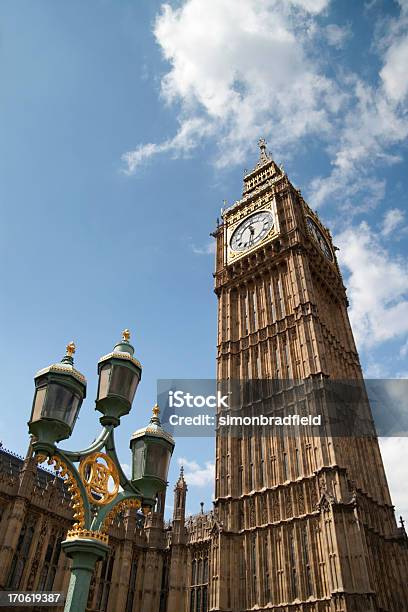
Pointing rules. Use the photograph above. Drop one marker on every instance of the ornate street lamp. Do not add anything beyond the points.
(119, 376)
(59, 391)
(151, 448)
(98, 487)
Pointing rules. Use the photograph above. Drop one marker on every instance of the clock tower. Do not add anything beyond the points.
(304, 523)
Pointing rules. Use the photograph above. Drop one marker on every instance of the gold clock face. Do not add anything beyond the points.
(319, 238)
(251, 231)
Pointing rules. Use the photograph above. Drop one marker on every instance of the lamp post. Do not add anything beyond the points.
(98, 487)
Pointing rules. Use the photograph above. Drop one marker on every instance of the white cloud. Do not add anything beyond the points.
(375, 121)
(392, 219)
(190, 133)
(377, 287)
(404, 351)
(336, 35)
(208, 249)
(393, 450)
(237, 71)
(229, 68)
(394, 72)
(197, 475)
(372, 124)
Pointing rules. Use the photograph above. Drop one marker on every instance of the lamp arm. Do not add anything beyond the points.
(96, 445)
(123, 479)
(122, 501)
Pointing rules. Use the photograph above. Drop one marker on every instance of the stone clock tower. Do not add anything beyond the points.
(304, 523)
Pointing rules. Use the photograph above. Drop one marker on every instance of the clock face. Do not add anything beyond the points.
(319, 238)
(251, 231)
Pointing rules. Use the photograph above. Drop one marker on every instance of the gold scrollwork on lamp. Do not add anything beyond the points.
(120, 507)
(100, 478)
(63, 472)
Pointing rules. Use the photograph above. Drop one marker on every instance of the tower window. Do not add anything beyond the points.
(277, 362)
(285, 467)
(297, 466)
(258, 365)
(293, 575)
(281, 299)
(245, 328)
(255, 309)
(272, 302)
(253, 565)
(288, 361)
(305, 547)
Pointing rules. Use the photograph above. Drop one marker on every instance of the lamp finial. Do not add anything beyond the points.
(69, 354)
(126, 335)
(71, 348)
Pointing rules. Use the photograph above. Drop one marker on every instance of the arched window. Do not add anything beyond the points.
(205, 570)
(253, 567)
(103, 581)
(205, 600)
(293, 573)
(22, 552)
(132, 582)
(198, 600)
(306, 561)
(50, 563)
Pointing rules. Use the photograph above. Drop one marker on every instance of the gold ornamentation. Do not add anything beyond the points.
(71, 349)
(74, 534)
(155, 431)
(121, 355)
(126, 504)
(156, 410)
(40, 458)
(100, 478)
(63, 472)
(61, 367)
(126, 335)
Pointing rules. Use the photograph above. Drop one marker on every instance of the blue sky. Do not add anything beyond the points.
(123, 128)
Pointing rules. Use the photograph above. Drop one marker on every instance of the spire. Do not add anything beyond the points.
(263, 152)
(264, 171)
(179, 512)
(181, 483)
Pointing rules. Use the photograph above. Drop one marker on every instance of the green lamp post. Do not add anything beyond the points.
(98, 487)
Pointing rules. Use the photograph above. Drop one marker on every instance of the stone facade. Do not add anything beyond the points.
(300, 524)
